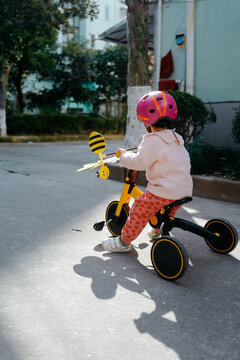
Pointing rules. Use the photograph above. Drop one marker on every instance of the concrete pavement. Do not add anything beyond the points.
(63, 297)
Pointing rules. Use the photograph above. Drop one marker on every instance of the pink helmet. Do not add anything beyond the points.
(156, 105)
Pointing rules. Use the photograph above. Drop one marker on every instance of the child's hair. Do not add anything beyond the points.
(164, 123)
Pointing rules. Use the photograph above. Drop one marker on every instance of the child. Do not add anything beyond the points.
(167, 164)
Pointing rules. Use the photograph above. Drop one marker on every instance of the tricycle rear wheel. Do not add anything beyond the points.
(228, 237)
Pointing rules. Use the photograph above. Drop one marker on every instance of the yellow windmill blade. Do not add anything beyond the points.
(110, 160)
(89, 166)
(97, 142)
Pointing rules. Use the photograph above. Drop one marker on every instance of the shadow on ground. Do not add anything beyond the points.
(193, 316)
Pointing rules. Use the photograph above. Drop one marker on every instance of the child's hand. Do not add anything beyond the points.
(119, 152)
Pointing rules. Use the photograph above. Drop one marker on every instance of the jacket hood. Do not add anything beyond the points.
(168, 136)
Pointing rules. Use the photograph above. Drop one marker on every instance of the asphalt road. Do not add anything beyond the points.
(64, 298)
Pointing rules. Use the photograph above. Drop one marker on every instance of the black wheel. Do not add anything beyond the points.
(169, 258)
(117, 223)
(228, 237)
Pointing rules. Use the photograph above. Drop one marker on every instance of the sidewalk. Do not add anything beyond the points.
(209, 187)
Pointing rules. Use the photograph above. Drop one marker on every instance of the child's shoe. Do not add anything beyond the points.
(114, 244)
(153, 234)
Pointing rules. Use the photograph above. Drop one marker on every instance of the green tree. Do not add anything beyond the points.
(109, 72)
(70, 79)
(22, 22)
(193, 115)
(36, 59)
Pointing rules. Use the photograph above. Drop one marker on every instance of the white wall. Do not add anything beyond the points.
(110, 12)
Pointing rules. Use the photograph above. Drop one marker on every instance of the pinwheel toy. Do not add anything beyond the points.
(97, 145)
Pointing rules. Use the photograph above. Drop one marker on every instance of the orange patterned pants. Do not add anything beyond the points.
(142, 210)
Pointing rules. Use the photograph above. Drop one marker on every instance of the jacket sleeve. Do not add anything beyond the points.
(144, 158)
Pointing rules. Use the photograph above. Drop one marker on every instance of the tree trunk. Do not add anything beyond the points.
(137, 24)
(138, 80)
(17, 78)
(4, 73)
(20, 99)
(108, 107)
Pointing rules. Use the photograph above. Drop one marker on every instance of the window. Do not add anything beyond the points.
(107, 12)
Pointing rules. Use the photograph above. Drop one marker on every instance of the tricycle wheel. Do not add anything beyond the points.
(117, 223)
(228, 237)
(169, 258)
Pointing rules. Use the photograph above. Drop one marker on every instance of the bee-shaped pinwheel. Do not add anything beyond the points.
(97, 145)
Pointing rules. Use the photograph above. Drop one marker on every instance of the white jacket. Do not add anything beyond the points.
(166, 161)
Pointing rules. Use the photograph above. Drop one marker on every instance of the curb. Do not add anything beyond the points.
(209, 187)
(11, 139)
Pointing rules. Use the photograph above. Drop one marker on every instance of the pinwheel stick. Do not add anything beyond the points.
(114, 153)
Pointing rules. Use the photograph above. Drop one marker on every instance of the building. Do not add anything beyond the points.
(110, 12)
(213, 29)
(87, 31)
(199, 42)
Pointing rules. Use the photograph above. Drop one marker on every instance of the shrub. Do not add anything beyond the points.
(231, 163)
(192, 115)
(205, 158)
(42, 124)
(236, 126)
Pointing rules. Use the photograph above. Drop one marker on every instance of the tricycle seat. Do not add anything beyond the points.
(178, 202)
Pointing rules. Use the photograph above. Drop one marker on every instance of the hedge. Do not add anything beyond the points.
(236, 125)
(206, 159)
(41, 124)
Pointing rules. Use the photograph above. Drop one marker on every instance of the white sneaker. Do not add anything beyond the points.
(154, 234)
(114, 245)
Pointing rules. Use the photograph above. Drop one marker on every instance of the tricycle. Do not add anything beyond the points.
(168, 255)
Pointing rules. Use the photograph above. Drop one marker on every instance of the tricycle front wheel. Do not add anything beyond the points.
(169, 258)
(117, 222)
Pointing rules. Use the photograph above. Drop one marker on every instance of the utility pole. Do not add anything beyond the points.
(190, 47)
(157, 43)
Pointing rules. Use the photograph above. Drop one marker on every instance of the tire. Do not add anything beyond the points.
(115, 226)
(228, 237)
(169, 258)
